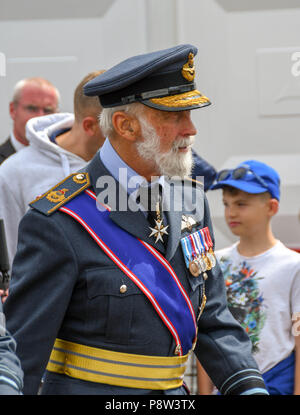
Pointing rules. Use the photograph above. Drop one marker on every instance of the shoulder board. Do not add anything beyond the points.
(61, 193)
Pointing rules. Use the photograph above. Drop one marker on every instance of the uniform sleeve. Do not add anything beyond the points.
(223, 347)
(11, 374)
(43, 276)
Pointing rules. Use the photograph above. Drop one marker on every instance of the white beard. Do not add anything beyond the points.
(172, 163)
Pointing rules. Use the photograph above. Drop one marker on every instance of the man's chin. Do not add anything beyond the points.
(180, 167)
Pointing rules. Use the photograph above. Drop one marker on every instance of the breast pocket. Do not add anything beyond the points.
(113, 304)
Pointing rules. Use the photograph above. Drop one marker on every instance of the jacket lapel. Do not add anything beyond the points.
(173, 213)
(137, 225)
(7, 149)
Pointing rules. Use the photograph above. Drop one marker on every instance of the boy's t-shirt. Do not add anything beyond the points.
(263, 294)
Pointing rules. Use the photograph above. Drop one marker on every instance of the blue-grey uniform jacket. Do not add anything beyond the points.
(64, 286)
(11, 374)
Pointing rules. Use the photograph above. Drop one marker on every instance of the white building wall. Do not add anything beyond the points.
(65, 50)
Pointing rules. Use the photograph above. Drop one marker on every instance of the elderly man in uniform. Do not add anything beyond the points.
(109, 297)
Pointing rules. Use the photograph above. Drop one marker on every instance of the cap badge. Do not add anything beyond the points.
(188, 69)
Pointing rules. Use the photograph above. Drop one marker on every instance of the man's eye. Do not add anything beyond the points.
(32, 108)
(49, 110)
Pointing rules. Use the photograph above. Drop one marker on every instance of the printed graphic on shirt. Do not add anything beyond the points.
(244, 299)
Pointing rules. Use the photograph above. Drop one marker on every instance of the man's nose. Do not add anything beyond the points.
(188, 126)
(231, 212)
(192, 129)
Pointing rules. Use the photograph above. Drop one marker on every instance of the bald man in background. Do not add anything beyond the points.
(32, 97)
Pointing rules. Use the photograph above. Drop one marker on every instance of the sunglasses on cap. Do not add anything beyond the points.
(240, 173)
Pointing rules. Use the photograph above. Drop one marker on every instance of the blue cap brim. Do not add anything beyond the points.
(241, 185)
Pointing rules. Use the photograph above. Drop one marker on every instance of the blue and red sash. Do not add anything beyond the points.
(143, 264)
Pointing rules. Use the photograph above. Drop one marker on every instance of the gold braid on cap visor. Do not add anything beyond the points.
(181, 100)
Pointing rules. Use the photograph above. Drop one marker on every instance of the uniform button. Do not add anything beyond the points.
(123, 289)
(80, 176)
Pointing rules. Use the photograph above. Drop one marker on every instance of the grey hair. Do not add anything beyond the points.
(38, 81)
(105, 118)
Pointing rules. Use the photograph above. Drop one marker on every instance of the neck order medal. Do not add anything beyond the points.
(159, 230)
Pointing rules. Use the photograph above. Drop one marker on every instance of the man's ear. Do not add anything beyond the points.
(90, 125)
(126, 125)
(12, 110)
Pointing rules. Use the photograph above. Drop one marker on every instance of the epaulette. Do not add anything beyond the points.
(61, 193)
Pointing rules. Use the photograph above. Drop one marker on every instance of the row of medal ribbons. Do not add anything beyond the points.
(198, 252)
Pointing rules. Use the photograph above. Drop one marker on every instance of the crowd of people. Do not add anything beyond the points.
(107, 300)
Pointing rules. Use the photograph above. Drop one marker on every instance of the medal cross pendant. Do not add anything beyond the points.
(159, 230)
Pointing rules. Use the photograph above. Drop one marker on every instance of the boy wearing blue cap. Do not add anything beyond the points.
(262, 276)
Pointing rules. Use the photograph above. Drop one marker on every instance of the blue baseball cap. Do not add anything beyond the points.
(251, 176)
(163, 80)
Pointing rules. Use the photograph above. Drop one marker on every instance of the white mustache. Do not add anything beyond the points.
(183, 142)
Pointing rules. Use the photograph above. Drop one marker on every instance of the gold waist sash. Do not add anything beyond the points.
(115, 368)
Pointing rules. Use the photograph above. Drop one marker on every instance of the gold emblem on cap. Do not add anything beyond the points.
(80, 178)
(57, 195)
(188, 69)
